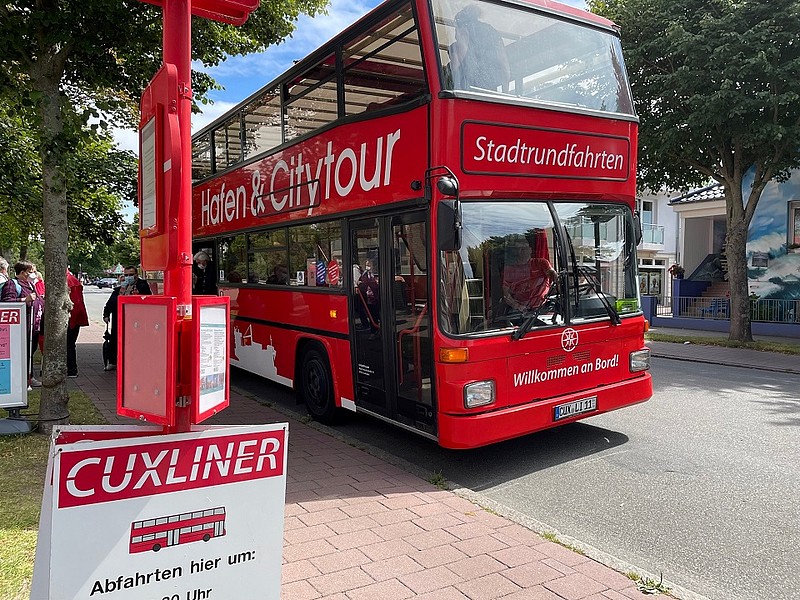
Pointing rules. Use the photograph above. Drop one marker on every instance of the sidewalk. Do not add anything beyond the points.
(718, 355)
(359, 528)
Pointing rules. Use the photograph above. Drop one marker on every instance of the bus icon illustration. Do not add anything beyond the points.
(183, 528)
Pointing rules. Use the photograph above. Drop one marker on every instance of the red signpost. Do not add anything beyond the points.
(165, 202)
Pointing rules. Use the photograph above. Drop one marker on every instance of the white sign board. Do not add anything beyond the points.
(13, 355)
(147, 162)
(189, 516)
(213, 357)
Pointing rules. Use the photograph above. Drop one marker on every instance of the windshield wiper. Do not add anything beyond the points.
(593, 285)
(532, 317)
(526, 325)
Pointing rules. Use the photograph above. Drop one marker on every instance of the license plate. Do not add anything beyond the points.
(576, 407)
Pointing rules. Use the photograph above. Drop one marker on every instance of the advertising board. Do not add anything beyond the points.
(172, 516)
(13, 356)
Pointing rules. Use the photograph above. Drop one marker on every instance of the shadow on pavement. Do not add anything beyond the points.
(477, 469)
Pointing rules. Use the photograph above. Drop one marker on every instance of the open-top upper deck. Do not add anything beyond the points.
(403, 54)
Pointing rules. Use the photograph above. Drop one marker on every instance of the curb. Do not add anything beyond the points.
(694, 359)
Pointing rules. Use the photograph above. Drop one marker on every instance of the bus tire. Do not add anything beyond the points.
(156, 547)
(316, 386)
(206, 537)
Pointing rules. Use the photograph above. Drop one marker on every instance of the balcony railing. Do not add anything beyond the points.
(763, 311)
(652, 234)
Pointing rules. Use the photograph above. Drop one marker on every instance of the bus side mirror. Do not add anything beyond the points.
(447, 186)
(448, 225)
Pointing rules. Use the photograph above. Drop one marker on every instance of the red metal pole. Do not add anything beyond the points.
(178, 280)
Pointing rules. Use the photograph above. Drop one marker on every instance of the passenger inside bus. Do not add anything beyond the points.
(478, 56)
(280, 275)
(369, 297)
(528, 273)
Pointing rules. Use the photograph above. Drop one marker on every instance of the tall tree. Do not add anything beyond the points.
(717, 89)
(20, 178)
(75, 58)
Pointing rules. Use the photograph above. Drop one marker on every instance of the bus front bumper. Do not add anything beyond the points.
(475, 430)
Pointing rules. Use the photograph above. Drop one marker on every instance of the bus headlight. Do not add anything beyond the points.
(640, 360)
(479, 393)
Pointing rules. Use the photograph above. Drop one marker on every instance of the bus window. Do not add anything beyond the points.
(228, 143)
(312, 249)
(266, 257)
(505, 270)
(602, 258)
(530, 55)
(384, 66)
(262, 123)
(312, 100)
(201, 157)
(232, 260)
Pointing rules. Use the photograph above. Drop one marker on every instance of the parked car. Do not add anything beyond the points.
(107, 282)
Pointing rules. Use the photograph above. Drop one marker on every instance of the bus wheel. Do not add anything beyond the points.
(316, 386)
(206, 537)
(156, 547)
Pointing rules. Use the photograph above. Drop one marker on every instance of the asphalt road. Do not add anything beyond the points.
(95, 300)
(701, 483)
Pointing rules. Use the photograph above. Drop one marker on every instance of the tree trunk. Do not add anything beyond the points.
(53, 408)
(736, 251)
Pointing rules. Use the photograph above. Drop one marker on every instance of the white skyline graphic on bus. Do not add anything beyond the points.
(252, 356)
(173, 530)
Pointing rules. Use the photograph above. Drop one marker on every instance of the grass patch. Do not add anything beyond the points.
(647, 585)
(552, 537)
(436, 478)
(23, 460)
(764, 346)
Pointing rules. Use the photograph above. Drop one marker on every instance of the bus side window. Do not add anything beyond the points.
(383, 67)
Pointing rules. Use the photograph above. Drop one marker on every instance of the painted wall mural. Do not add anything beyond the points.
(773, 242)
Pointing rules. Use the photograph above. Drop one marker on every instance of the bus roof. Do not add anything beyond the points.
(571, 11)
(548, 6)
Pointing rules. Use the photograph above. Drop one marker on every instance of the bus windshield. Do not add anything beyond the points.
(527, 265)
(506, 50)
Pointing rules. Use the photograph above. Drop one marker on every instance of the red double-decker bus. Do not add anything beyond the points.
(431, 220)
(184, 528)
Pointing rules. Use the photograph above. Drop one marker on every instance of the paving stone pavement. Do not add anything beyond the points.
(357, 527)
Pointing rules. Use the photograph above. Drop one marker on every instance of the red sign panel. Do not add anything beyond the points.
(347, 168)
(232, 12)
(113, 473)
(159, 169)
(146, 375)
(538, 152)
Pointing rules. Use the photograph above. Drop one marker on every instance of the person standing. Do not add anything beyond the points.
(78, 317)
(369, 290)
(20, 289)
(131, 286)
(203, 281)
(478, 55)
(37, 323)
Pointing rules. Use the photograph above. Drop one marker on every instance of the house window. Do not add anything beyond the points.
(647, 212)
(794, 224)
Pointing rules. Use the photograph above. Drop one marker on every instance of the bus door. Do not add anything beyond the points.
(173, 535)
(391, 320)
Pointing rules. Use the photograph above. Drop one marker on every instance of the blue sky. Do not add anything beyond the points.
(242, 75)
